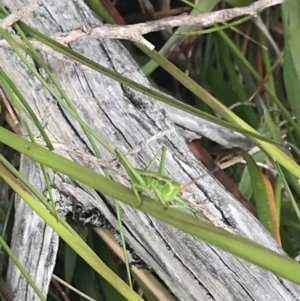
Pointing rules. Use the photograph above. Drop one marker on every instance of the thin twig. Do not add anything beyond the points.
(19, 14)
(91, 161)
(135, 32)
(71, 288)
(149, 280)
(204, 20)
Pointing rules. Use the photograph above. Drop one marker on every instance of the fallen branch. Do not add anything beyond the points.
(135, 32)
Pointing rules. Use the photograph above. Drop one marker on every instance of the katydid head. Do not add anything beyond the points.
(170, 190)
(188, 184)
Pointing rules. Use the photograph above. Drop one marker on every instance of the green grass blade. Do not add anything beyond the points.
(132, 173)
(214, 29)
(237, 245)
(63, 102)
(287, 188)
(79, 246)
(188, 82)
(21, 268)
(264, 198)
(100, 10)
(291, 67)
(201, 7)
(248, 65)
(104, 252)
(70, 259)
(11, 87)
(123, 242)
(23, 181)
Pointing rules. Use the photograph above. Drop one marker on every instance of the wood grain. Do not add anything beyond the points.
(192, 269)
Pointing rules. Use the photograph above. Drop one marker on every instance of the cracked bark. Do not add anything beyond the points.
(192, 269)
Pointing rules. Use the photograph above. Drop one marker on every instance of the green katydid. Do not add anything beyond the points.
(166, 189)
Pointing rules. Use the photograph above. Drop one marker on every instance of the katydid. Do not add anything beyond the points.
(166, 189)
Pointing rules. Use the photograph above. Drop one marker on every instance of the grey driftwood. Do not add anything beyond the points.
(192, 269)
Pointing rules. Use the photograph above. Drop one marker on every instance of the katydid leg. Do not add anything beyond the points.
(162, 151)
(159, 195)
(136, 188)
(181, 202)
(131, 171)
(162, 164)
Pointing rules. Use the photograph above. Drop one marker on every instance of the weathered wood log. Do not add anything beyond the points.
(193, 270)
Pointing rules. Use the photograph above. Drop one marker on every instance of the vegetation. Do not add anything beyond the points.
(247, 72)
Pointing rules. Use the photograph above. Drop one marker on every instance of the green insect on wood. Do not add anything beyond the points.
(165, 189)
